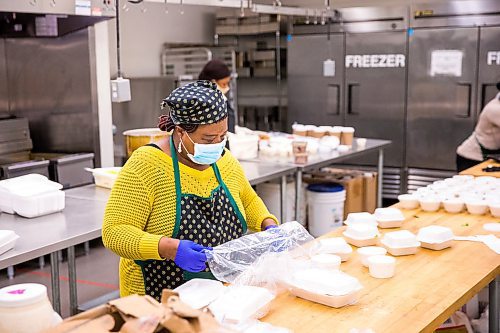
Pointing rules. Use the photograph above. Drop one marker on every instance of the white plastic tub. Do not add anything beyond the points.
(408, 201)
(430, 204)
(435, 237)
(400, 243)
(494, 208)
(328, 287)
(8, 240)
(476, 207)
(326, 207)
(453, 205)
(334, 245)
(369, 251)
(363, 217)
(389, 217)
(105, 177)
(382, 267)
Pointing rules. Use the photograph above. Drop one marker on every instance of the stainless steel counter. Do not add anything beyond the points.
(81, 221)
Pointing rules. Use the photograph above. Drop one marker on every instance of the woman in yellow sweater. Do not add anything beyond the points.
(176, 199)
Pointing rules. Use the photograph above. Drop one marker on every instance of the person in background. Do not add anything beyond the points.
(485, 140)
(216, 71)
(175, 199)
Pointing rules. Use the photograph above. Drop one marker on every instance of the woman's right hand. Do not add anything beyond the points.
(190, 256)
(186, 254)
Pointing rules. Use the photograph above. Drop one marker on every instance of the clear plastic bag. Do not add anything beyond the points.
(259, 259)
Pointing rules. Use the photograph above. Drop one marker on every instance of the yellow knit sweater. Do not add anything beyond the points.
(142, 204)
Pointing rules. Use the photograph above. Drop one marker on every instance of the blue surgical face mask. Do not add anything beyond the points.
(206, 154)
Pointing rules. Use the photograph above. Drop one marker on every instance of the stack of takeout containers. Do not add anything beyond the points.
(400, 243)
(31, 196)
(389, 217)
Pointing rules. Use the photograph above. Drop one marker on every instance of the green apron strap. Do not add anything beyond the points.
(230, 196)
(178, 191)
(197, 275)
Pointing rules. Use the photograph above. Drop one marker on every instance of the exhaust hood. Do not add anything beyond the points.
(51, 18)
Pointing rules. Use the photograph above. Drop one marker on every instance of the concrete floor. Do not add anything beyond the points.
(97, 275)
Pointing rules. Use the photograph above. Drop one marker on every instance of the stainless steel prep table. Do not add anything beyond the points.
(81, 221)
(317, 161)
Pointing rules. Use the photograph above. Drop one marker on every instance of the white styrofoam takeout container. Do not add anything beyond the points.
(8, 240)
(435, 237)
(389, 217)
(400, 243)
(31, 196)
(333, 245)
(362, 217)
(361, 235)
(329, 287)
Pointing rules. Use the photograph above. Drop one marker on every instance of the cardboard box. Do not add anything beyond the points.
(370, 191)
(352, 181)
(142, 314)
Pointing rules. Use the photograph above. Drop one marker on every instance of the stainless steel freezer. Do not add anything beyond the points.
(489, 65)
(442, 90)
(315, 98)
(375, 90)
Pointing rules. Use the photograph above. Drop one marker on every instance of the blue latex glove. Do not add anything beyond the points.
(270, 227)
(190, 256)
(279, 244)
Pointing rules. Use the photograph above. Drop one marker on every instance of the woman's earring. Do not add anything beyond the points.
(179, 149)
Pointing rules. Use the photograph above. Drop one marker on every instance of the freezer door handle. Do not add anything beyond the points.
(464, 100)
(352, 95)
(333, 99)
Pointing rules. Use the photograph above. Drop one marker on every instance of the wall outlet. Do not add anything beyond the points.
(120, 90)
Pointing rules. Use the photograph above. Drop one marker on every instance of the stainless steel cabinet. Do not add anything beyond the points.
(375, 89)
(312, 97)
(489, 65)
(441, 94)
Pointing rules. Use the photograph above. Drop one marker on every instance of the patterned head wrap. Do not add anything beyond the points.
(196, 103)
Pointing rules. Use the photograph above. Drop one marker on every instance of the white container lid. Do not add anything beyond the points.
(389, 214)
(348, 129)
(32, 184)
(400, 239)
(240, 303)
(7, 236)
(19, 295)
(337, 129)
(198, 293)
(311, 127)
(407, 197)
(361, 231)
(326, 282)
(363, 217)
(435, 234)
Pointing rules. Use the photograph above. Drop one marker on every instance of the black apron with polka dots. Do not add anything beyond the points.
(207, 221)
